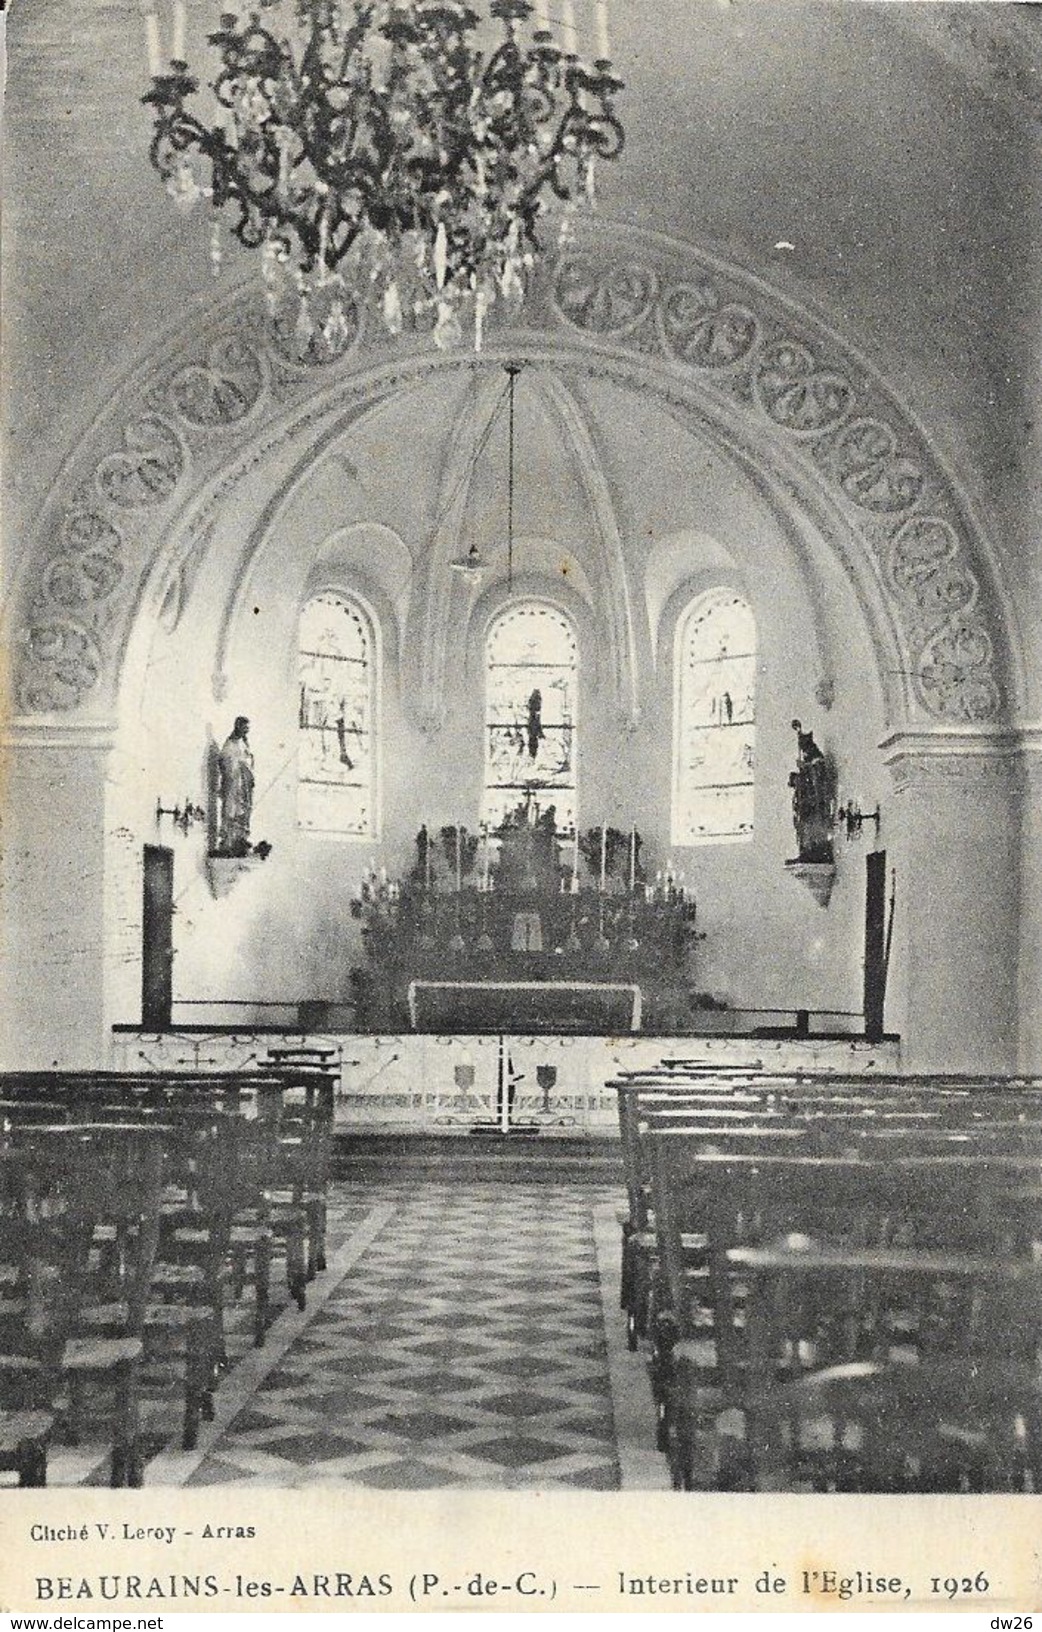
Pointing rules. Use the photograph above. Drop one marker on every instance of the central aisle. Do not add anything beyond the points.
(464, 1335)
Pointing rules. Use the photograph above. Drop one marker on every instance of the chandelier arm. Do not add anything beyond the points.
(549, 171)
(232, 186)
(601, 131)
(241, 58)
(354, 37)
(607, 136)
(506, 73)
(505, 53)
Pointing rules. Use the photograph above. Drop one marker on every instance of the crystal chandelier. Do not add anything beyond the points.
(377, 150)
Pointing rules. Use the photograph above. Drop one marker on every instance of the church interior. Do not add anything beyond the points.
(522, 770)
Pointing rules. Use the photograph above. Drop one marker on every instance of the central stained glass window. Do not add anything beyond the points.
(531, 696)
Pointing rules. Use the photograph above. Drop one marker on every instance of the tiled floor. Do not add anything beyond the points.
(463, 1335)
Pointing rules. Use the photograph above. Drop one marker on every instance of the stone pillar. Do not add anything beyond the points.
(53, 874)
(956, 851)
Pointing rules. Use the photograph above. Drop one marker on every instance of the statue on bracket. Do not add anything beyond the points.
(813, 785)
(236, 784)
(234, 854)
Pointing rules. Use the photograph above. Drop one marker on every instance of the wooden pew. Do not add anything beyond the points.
(711, 1208)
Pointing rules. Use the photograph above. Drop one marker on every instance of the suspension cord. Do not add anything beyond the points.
(513, 370)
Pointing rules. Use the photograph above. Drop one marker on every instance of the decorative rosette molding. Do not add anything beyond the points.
(821, 407)
(182, 431)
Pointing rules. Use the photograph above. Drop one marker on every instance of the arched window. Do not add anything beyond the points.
(336, 707)
(531, 686)
(714, 733)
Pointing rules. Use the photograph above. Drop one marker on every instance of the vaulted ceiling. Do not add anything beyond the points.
(876, 161)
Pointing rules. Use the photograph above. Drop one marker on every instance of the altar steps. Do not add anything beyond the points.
(457, 1155)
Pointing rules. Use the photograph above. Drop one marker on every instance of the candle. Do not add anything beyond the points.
(542, 17)
(603, 43)
(180, 27)
(568, 35)
(633, 858)
(155, 49)
(604, 854)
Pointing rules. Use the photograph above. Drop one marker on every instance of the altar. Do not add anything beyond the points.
(525, 930)
(534, 1006)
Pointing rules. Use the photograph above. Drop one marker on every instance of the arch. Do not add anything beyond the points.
(338, 717)
(137, 500)
(714, 720)
(531, 712)
(433, 606)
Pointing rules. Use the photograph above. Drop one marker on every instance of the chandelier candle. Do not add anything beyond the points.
(375, 151)
(180, 30)
(603, 42)
(153, 42)
(569, 37)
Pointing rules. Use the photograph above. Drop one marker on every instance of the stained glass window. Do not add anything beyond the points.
(714, 722)
(531, 684)
(336, 767)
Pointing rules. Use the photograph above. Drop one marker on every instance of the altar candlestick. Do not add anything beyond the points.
(427, 862)
(633, 858)
(604, 855)
(459, 866)
(603, 43)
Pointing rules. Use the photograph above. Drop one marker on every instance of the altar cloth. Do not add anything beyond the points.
(501, 999)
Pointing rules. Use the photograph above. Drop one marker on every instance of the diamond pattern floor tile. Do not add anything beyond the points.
(465, 1347)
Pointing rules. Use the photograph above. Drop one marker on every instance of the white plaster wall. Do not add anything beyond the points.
(957, 826)
(56, 957)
